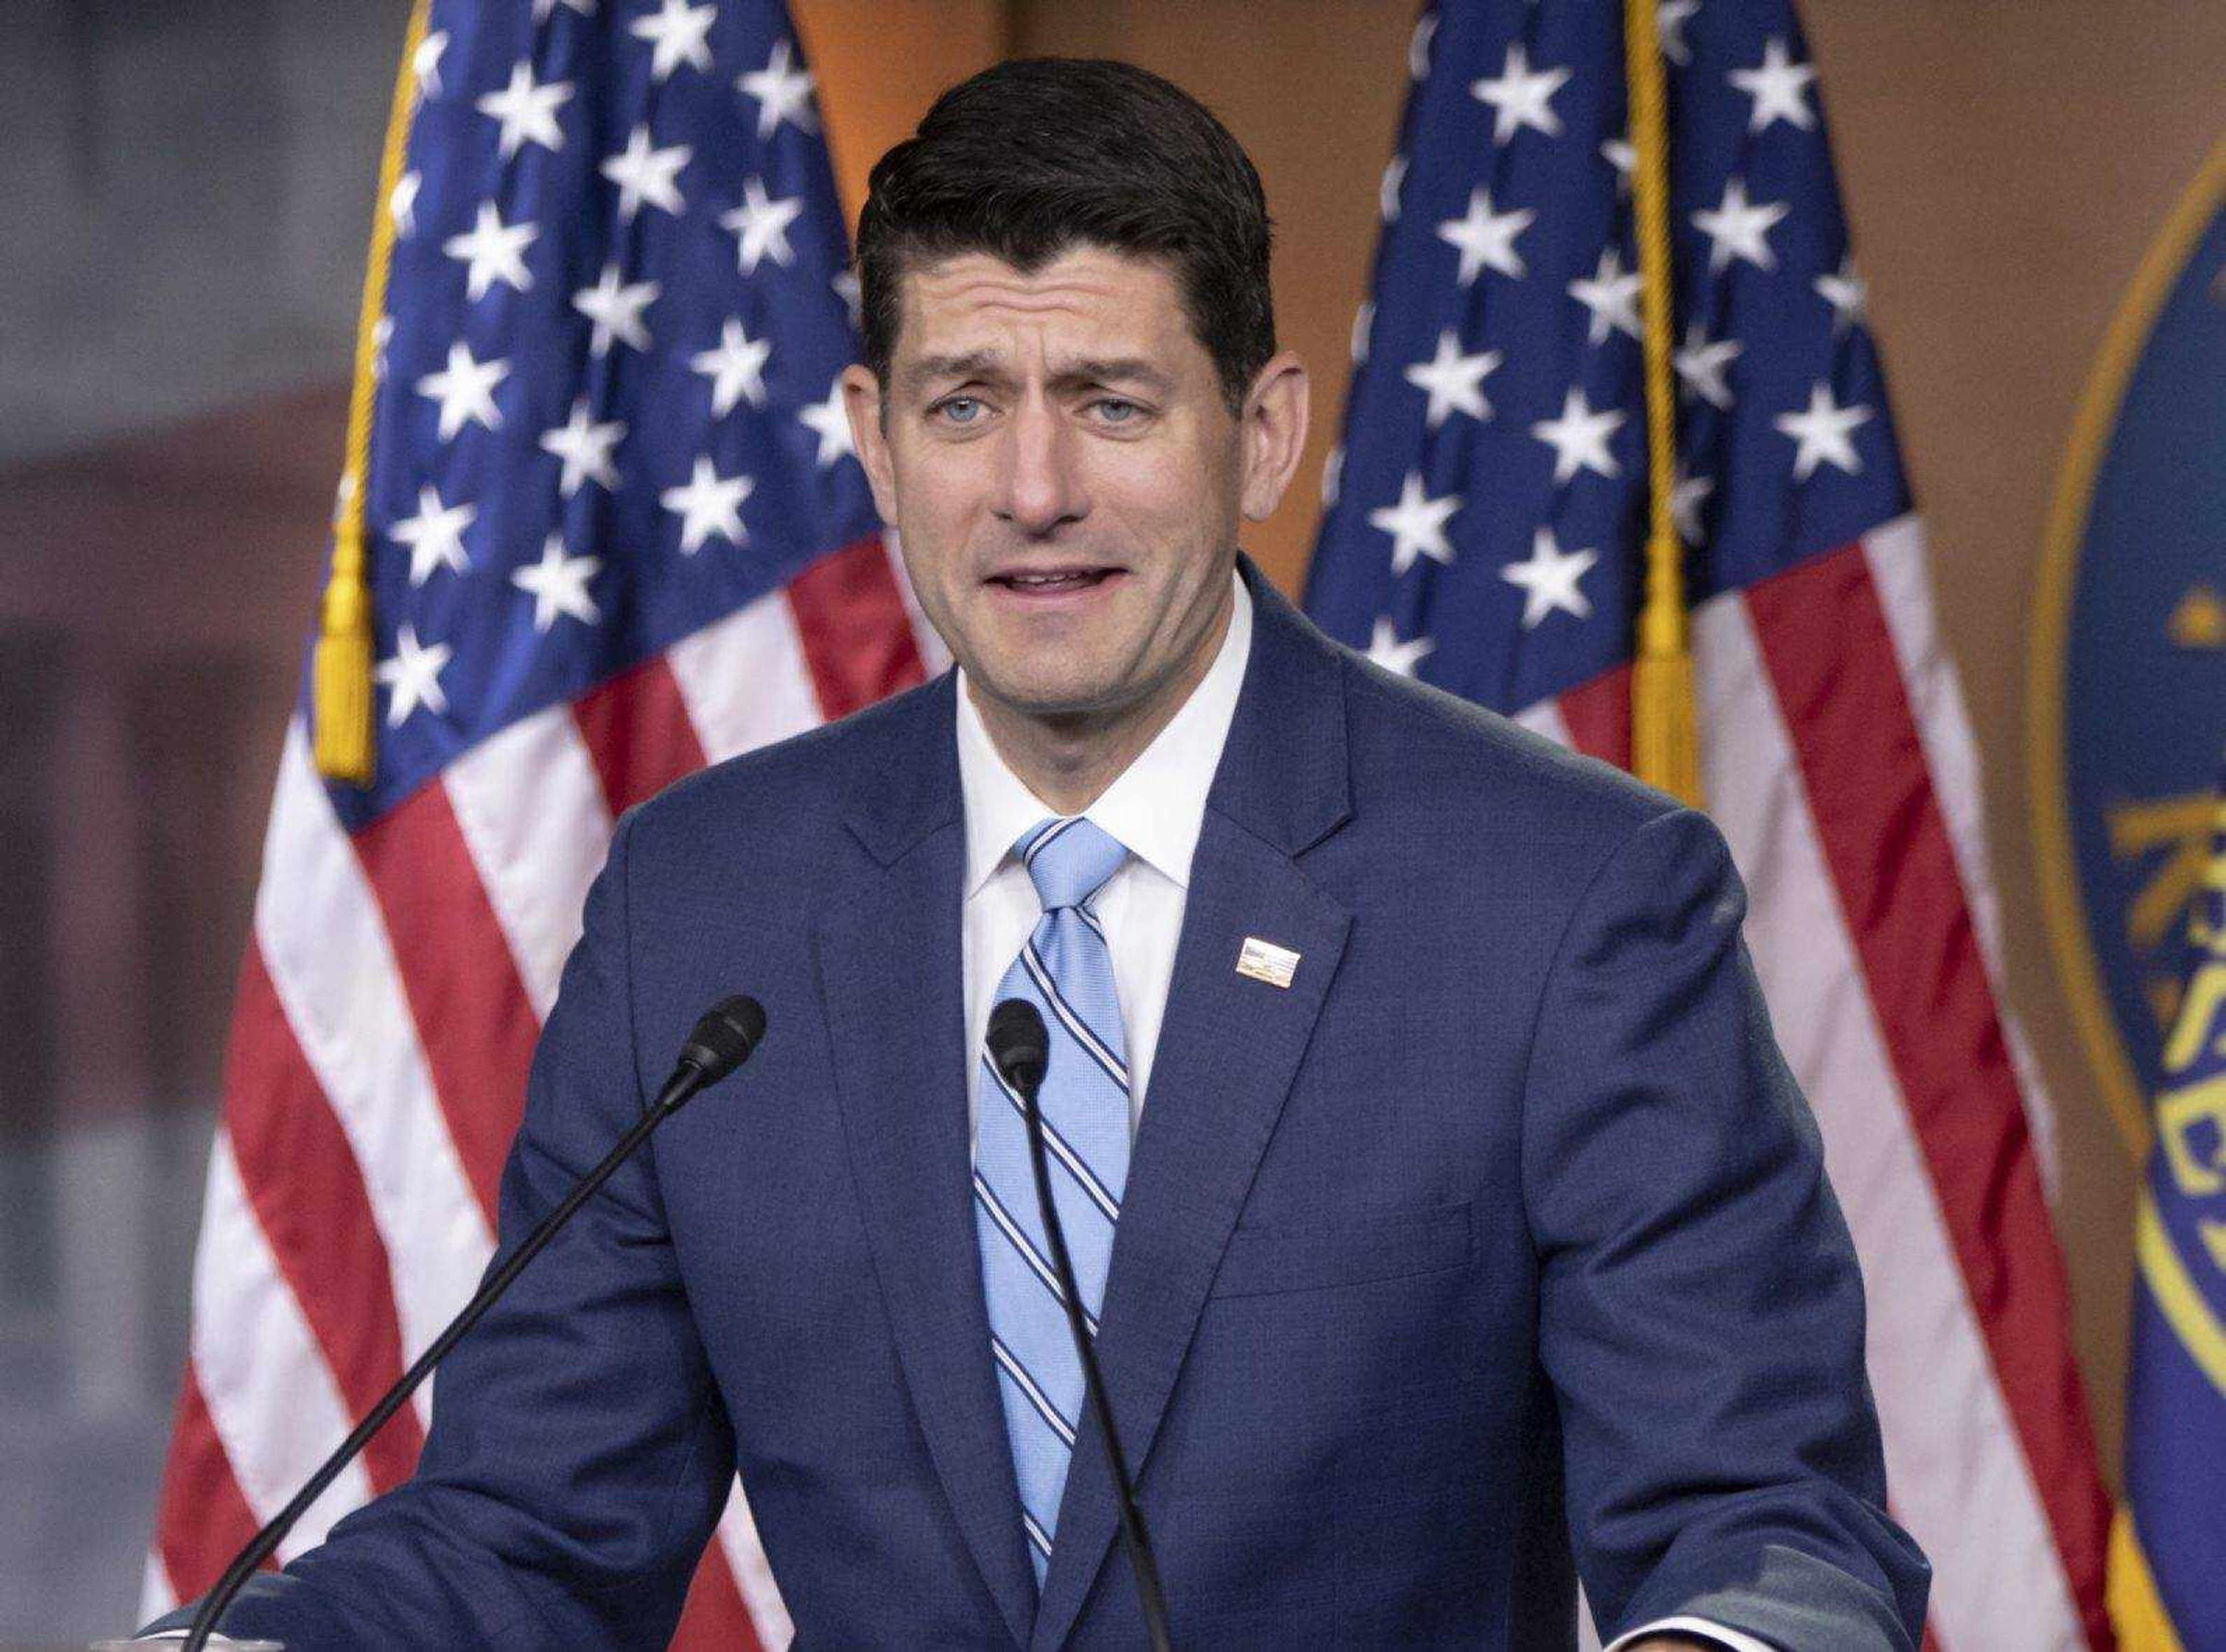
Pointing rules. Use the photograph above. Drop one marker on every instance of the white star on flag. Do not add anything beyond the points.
(762, 223)
(401, 203)
(1611, 296)
(434, 535)
(425, 63)
(493, 250)
(1579, 438)
(643, 174)
(709, 504)
(1823, 429)
(828, 419)
(1779, 88)
(542, 8)
(558, 585)
(1416, 524)
(1454, 381)
(679, 34)
(1487, 237)
(1418, 45)
(1387, 192)
(1701, 364)
(1521, 97)
(1364, 326)
(736, 368)
(1739, 228)
(1619, 153)
(412, 676)
(1387, 651)
(465, 389)
(1670, 20)
(1332, 475)
(1550, 580)
(1848, 294)
(1687, 495)
(781, 91)
(527, 111)
(382, 335)
(585, 448)
(615, 307)
(846, 286)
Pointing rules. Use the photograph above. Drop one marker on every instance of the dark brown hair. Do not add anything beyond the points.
(1035, 155)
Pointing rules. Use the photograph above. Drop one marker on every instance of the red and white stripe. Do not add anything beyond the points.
(395, 985)
(1837, 761)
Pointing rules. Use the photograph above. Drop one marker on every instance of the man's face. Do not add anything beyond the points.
(1065, 476)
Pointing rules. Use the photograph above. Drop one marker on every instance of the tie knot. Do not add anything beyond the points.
(1069, 860)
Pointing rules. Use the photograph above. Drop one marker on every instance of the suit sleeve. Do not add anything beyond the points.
(1700, 1311)
(579, 1455)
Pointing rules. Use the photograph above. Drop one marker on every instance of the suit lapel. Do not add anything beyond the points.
(889, 961)
(1229, 1047)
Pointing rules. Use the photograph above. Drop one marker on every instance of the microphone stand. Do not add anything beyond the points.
(1024, 1077)
(719, 1043)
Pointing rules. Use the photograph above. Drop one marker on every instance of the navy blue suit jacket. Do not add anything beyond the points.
(1502, 1232)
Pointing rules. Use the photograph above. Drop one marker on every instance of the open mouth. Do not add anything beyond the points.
(1057, 584)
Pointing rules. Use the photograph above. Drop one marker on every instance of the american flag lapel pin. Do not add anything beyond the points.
(1265, 960)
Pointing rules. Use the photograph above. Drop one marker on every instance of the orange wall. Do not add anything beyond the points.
(880, 64)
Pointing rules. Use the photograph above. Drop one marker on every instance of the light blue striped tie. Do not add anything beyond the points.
(1066, 971)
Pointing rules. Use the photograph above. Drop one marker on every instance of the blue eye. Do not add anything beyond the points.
(957, 402)
(1107, 404)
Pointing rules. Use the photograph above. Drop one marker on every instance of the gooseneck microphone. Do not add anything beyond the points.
(1020, 1049)
(717, 1045)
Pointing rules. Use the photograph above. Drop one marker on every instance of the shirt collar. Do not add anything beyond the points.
(1155, 807)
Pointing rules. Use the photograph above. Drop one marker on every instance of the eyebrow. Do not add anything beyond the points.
(1092, 370)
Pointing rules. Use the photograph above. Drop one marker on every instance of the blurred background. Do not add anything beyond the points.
(188, 189)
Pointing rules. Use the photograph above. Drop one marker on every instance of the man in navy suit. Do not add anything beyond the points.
(1467, 1235)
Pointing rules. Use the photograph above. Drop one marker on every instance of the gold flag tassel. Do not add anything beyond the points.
(1665, 741)
(340, 708)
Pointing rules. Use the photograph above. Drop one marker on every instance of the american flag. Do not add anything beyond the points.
(616, 531)
(1487, 510)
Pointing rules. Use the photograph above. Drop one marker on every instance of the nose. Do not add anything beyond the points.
(1042, 485)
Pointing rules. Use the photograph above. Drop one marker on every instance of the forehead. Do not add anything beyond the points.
(1087, 297)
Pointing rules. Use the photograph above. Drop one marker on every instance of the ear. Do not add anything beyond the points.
(1275, 433)
(862, 403)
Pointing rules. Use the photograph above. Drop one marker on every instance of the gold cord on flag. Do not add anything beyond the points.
(1665, 744)
(2137, 1611)
(340, 678)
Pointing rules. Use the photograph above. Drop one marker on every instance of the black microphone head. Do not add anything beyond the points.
(722, 1040)
(1019, 1043)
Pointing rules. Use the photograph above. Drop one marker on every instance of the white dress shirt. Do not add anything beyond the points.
(1155, 808)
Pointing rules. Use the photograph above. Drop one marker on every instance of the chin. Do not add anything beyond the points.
(1059, 700)
(1052, 694)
